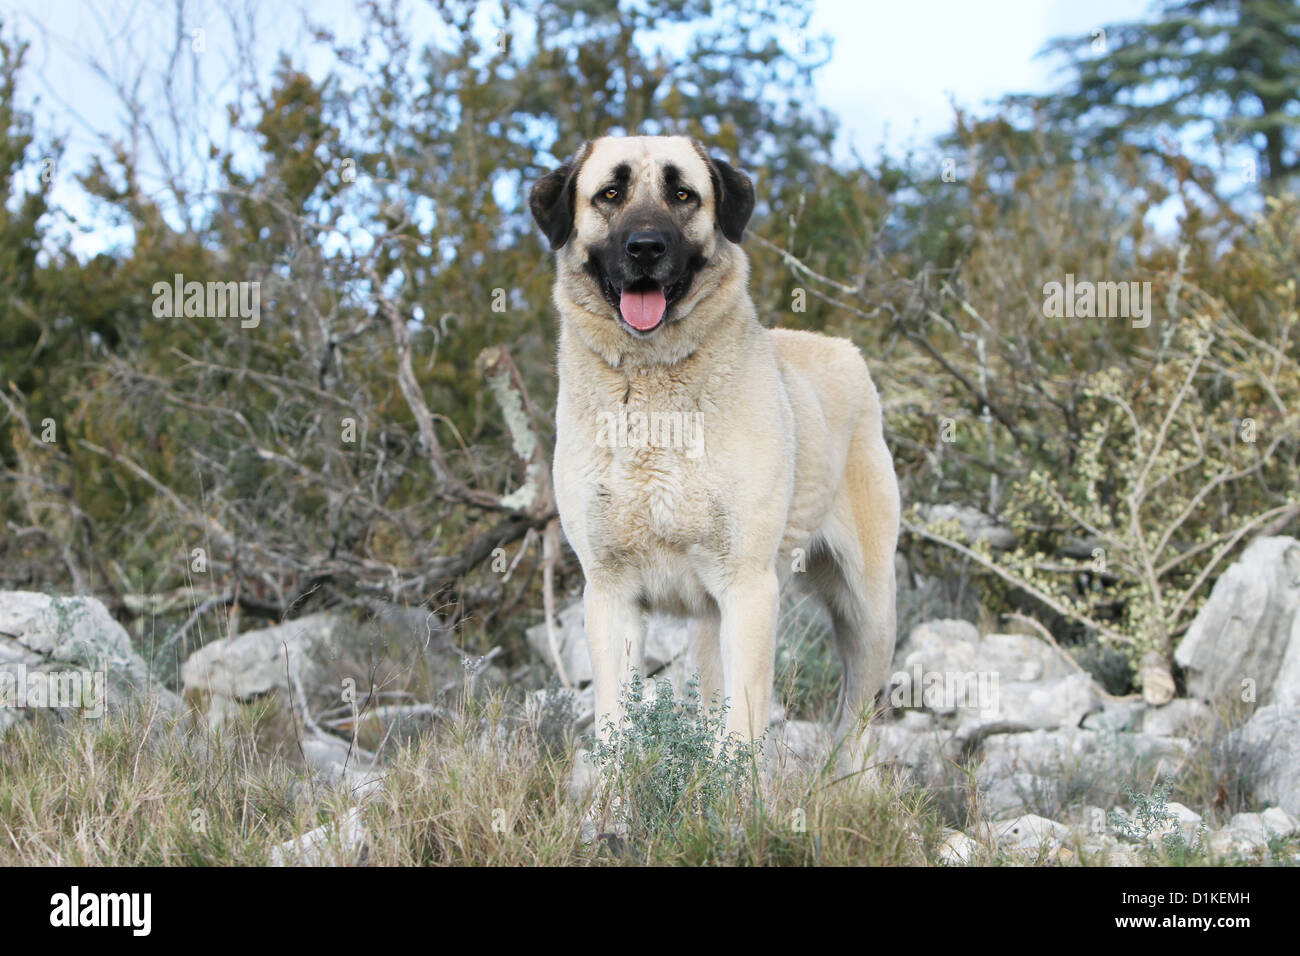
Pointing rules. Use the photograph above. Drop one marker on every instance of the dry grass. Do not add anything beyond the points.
(130, 791)
(481, 788)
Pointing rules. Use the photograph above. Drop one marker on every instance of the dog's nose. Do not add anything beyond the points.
(645, 246)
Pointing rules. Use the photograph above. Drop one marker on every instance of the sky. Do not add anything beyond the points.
(896, 71)
(970, 52)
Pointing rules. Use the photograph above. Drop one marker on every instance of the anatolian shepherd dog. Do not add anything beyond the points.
(763, 459)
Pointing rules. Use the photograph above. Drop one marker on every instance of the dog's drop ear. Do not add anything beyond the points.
(551, 199)
(735, 198)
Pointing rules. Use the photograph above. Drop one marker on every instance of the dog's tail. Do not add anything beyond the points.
(856, 574)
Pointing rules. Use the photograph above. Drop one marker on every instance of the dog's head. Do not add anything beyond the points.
(644, 228)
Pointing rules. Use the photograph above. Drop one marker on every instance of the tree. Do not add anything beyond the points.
(27, 328)
(1232, 63)
(346, 446)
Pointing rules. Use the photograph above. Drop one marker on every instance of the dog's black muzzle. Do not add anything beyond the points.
(642, 259)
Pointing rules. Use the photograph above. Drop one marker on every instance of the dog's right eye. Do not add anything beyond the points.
(610, 194)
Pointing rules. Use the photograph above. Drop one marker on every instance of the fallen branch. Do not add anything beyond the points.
(537, 494)
(448, 484)
(1014, 580)
(220, 600)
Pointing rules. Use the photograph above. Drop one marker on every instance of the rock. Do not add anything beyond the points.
(570, 639)
(1222, 843)
(917, 721)
(1030, 833)
(957, 849)
(1245, 836)
(1286, 685)
(1116, 716)
(945, 632)
(975, 524)
(258, 662)
(1184, 717)
(68, 653)
(1050, 751)
(1020, 657)
(1031, 705)
(913, 745)
(798, 743)
(1186, 815)
(1009, 795)
(1021, 770)
(337, 762)
(336, 659)
(1248, 835)
(334, 844)
(941, 648)
(956, 646)
(1250, 829)
(1269, 748)
(667, 639)
(999, 683)
(1277, 821)
(1156, 679)
(1256, 830)
(1249, 629)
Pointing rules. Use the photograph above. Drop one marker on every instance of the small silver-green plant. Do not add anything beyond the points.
(1151, 813)
(671, 758)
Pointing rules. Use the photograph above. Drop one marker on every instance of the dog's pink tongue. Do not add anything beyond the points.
(642, 310)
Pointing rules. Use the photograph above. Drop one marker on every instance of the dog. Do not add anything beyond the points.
(702, 460)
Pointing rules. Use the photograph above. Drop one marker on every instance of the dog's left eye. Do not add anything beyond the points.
(684, 195)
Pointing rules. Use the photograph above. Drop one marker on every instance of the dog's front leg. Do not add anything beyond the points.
(616, 638)
(748, 644)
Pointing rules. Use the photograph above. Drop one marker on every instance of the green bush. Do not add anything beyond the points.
(670, 759)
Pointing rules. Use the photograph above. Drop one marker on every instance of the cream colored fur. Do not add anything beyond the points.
(794, 480)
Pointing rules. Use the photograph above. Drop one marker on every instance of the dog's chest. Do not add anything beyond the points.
(647, 496)
(645, 483)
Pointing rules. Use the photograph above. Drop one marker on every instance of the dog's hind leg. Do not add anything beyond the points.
(853, 571)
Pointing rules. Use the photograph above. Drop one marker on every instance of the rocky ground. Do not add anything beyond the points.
(1013, 739)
